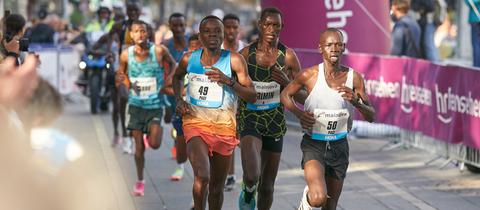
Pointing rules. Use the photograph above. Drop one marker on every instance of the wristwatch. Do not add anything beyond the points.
(357, 102)
(232, 82)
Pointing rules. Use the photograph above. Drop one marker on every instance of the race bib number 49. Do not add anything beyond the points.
(203, 92)
(330, 125)
(144, 87)
(268, 96)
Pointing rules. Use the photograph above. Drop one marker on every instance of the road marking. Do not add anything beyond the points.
(119, 185)
(397, 190)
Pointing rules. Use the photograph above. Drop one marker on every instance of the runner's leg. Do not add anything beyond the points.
(270, 164)
(314, 173)
(218, 174)
(197, 151)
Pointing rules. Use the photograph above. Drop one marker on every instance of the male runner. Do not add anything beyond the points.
(334, 91)
(271, 65)
(141, 69)
(230, 42)
(209, 122)
(120, 33)
(177, 45)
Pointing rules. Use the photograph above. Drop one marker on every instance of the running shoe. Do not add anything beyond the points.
(247, 200)
(116, 140)
(304, 205)
(139, 188)
(173, 151)
(178, 174)
(230, 183)
(127, 146)
(145, 141)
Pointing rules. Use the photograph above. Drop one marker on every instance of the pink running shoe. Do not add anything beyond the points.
(139, 188)
(145, 141)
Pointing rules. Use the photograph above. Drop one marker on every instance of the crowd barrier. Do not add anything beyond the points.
(59, 66)
(433, 107)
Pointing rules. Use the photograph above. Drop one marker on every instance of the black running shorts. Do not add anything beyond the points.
(141, 119)
(269, 143)
(334, 158)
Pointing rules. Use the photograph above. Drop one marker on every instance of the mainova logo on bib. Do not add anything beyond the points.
(145, 87)
(268, 96)
(203, 92)
(330, 125)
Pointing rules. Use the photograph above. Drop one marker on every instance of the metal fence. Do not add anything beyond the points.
(459, 154)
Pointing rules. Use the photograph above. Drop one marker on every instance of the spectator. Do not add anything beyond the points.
(42, 33)
(474, 19)
(429, 14)
(77, 19)
(11, 41)
(253, 33)
(17, 85)
(100, 26)
(406, 32)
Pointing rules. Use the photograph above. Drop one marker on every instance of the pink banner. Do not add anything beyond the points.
(305, 19)
(439, 101)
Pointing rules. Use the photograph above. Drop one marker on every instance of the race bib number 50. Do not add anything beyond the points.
(330, 125)
(203, 92)
(268, 96)
(144, 87)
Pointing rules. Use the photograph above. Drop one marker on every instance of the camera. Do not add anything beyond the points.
(23, 44)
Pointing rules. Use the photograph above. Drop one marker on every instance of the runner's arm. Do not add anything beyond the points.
(167, 58)
(293, 68)
(244, 88)
(358, 98)
(178, 77)
(363, 104)
(121, 76)
(287, 95)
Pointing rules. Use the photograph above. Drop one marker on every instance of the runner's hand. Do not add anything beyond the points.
(280, 76)
(307, 120)
(215, 75)
(168, 115)
(120, 78)
(182, 108)
(110, 58)
(136, 88)
(349, 95)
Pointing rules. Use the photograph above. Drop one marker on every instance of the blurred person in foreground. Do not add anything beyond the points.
(13, 41)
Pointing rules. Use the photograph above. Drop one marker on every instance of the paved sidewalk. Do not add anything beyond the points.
(376, 179)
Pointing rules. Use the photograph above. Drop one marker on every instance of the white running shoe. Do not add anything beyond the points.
(127, 146)
(304, 205)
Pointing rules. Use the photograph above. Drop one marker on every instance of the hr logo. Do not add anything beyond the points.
(449, 101)
(337, 18)
(413, 93)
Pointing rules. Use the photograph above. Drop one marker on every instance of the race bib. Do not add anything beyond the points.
(330, 125)
(144, 87)
(268, 96)
(203, 92)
